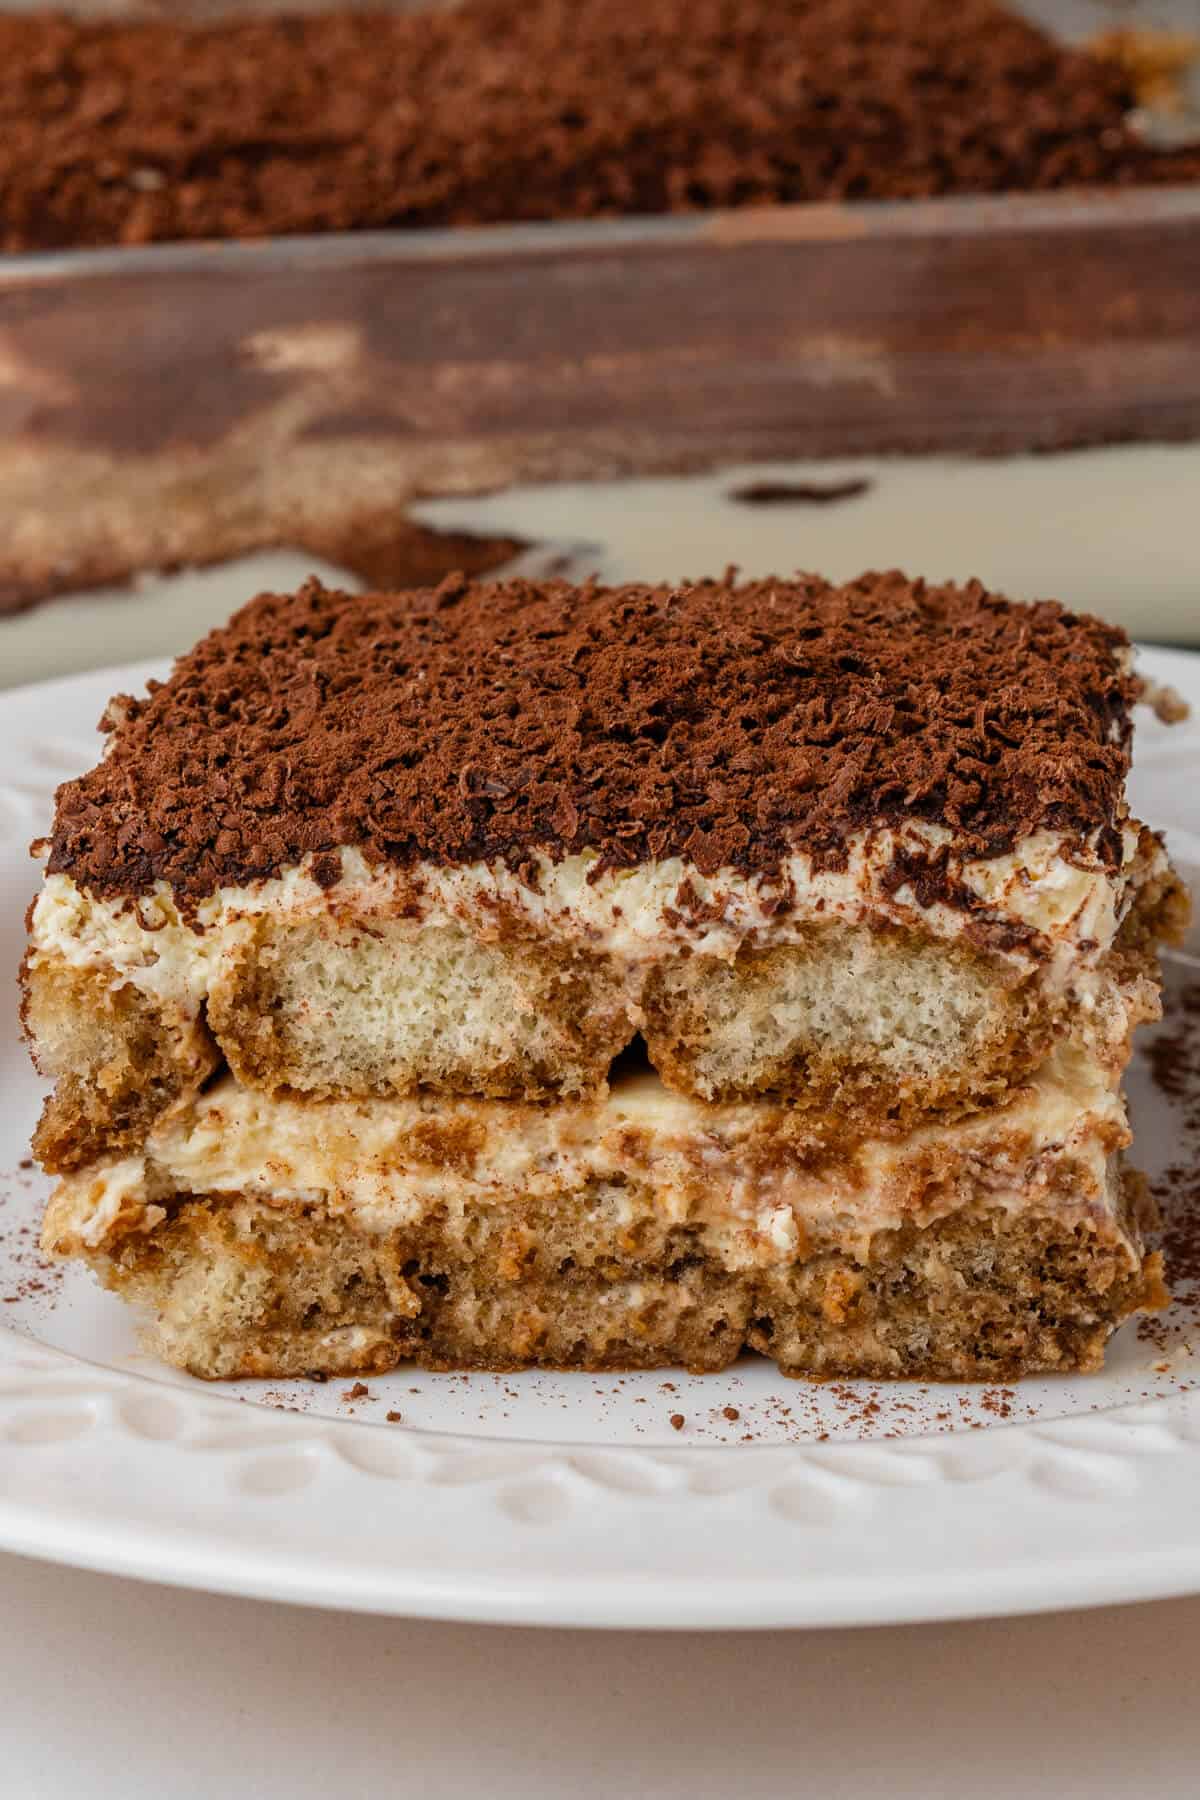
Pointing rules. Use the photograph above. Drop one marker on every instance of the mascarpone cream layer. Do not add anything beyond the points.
(744, 1171)
(1072, 902)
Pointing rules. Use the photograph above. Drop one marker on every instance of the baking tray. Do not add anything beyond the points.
(182, 385)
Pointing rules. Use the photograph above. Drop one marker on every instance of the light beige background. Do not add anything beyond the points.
(108, 1688)
(1115, 532)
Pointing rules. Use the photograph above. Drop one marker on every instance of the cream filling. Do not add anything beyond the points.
(745, 1172)
(639, 915)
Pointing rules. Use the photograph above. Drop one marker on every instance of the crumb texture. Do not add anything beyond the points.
(725, 723)
(317, 1010)
(240, 1288)
(864, 1023)
(131, 132)
(119, 1061)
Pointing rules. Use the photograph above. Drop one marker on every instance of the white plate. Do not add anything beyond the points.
(574, 1499)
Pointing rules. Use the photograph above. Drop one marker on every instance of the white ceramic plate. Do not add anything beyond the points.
(575, 1499)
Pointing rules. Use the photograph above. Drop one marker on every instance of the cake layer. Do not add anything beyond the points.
(833, 988)
(247, 1288)
(280, 1236)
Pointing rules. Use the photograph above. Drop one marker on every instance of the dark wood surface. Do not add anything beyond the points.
(143, 394)
(988, 325)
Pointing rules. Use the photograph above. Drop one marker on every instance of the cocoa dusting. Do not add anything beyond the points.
(1174, 1052)
(811, 493)
(36, 1282)
(1173, 1055)
(726, 724)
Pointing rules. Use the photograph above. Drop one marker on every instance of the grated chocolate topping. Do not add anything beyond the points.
(131, 132)
(721, 722)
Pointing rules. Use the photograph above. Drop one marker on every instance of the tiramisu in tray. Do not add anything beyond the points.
(520, 974)
(135, 131)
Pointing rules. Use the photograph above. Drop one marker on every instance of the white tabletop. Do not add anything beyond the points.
(114, 1688)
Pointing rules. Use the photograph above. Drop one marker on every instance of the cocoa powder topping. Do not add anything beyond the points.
(724, 723)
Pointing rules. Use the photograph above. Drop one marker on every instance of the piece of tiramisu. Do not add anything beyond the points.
(511, 974)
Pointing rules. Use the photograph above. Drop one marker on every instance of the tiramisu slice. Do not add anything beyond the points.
(850, 868)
